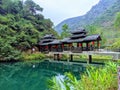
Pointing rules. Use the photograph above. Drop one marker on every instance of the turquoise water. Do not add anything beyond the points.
(33, 76)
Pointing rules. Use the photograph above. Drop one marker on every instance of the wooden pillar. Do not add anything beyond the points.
(71, 57)
(39, 48)
(81, 44)
(58, 57)
(93, 45)
(56, 47)
(77, 44)
(62, 46)
(87, 46)
(90, 59)
(98, 44)
(70, 46)
(54, 56)
(48, 47)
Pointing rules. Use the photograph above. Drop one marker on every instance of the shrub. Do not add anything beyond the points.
(34, 56)
(64, 57)
(102, 78)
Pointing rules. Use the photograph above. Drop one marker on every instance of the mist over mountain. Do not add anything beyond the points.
(101, 14)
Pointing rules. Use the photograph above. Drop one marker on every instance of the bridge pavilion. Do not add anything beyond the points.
(78, 41)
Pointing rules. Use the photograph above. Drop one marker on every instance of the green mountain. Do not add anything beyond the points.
(106, 20)
(101, 14)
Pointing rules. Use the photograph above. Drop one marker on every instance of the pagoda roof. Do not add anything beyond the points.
(65, 40)
(78, 36)
(78, 31)
(80, 40)
(49, 36)
(44, 44)
(92, 38)
(55, 42)
(75, 40)
(47, 40)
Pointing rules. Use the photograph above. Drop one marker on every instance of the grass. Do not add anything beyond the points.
(33, 56)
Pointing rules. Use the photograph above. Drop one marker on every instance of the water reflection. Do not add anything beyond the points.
(33, 76)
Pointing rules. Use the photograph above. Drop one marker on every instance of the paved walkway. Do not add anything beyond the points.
(116, 55)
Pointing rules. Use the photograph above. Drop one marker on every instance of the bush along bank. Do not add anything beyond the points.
(95, 78)
(33, 56)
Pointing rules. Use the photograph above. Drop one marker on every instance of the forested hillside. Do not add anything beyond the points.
(102, 14)
(107, 19)
(21, 27)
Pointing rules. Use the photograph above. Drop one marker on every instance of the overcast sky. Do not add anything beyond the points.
(59, 10)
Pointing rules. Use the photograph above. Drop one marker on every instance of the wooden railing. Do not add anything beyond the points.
(72, 49)
(56, 50)
(66, 49)
(76, 49)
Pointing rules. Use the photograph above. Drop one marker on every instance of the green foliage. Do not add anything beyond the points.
(7, 52)
(53, 84)
(117, 21)
(66, 31)
(64, 57)
(101, 78)
(34, 56)
(32, 7)
(21, 27)
(116, 44)
(92, 29)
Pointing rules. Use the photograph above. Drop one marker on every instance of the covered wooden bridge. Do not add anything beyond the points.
(78, 41)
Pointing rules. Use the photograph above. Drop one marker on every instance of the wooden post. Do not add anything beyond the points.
(56, 48)
(58, 57)
(98, 44)
(87, 46)
(71, 57)
(39, 48)
(49, 47)
(62, 46)
(82, 46)
(90, 59)
(77, 44)
(54, 56)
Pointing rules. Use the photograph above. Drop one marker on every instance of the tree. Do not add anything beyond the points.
(21, 26)
(32, 7)
(65, 31)
(92, 29)
(117, 21)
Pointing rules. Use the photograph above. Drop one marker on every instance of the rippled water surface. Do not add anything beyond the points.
(32, 76)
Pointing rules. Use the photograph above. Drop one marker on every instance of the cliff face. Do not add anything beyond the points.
(101, 14)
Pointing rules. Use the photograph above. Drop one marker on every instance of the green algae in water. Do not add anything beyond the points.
(31, 76)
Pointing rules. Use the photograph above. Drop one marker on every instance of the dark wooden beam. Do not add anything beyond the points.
(71, 57)
(54, 56)
(58, 57)
(98, 43)
(90, 59)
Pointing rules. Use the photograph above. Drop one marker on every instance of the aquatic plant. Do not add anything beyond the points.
(95, 78)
